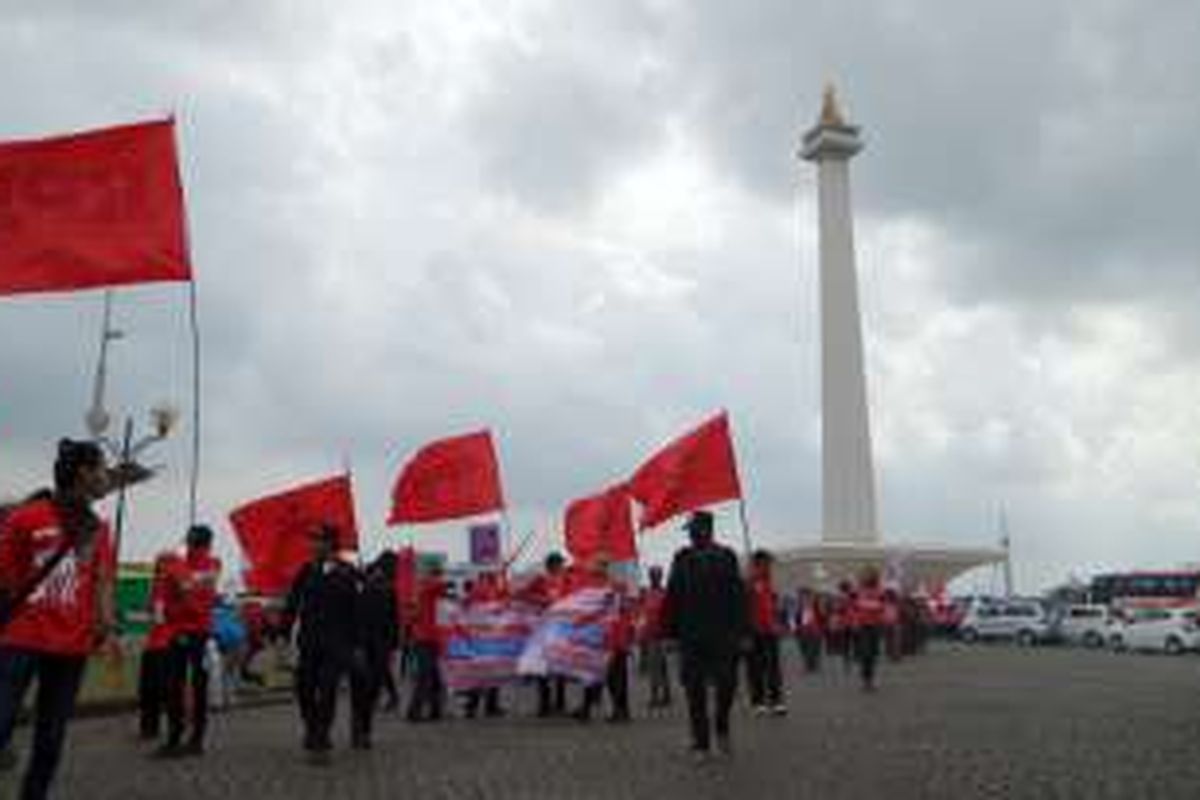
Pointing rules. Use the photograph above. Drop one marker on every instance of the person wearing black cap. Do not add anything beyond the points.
(705, 612)
(325, 597)
(189, 593)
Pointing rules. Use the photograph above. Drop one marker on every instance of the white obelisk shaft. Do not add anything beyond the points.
(848, 489)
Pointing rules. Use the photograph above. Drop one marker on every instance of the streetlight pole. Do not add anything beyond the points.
(97, 417)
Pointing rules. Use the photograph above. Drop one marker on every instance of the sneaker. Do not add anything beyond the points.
(779, 710)
(618, 717)
(699, 755)
(167, 751)
(724, 746)
(761, 710)
(194, 748)
(319, 757)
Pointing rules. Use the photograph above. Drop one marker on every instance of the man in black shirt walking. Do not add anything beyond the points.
(325, 596)
(706, 613)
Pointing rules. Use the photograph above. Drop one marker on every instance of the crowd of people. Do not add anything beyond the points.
(349, 625)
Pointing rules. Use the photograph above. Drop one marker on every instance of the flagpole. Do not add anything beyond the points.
(194, 322)
(745, 528)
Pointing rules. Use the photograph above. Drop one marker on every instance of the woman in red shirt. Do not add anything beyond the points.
(56, 574)
(869, 610)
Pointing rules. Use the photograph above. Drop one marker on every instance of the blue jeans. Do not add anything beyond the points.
(58, 684)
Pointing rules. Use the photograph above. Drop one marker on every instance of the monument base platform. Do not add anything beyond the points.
(914, 567)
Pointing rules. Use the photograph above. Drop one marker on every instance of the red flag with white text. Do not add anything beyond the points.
(695, 470)
(448, 479)
(98, 208)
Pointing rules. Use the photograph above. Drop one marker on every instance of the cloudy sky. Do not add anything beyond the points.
(583, 225)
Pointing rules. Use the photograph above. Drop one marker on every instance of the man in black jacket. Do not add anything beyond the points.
(325, 596)
(706, 613)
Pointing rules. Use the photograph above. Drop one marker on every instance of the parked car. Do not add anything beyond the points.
(1170, 630)
(1024, 621)
(1088, 625)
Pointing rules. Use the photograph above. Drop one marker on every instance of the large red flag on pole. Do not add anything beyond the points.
(695, 470)
(448, 479)
(276, 532)
(100, 208)
(601, 525)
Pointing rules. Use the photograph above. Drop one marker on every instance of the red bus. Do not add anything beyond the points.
(1146, 589)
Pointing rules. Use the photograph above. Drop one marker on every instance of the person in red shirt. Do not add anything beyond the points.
(618, 638)
(152, 667)
(810, 628)
(489, 587)
(868, 615)
(57, 568)
(547, 589)
(189, 594)
(427, 643)
(762, 665)
(650, 634)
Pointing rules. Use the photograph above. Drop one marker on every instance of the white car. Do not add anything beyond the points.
(1022, 620)
(1089, 625)
(1170, 630)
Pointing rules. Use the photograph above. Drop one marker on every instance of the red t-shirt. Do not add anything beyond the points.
(809, 619)
(192, 591)
(60, 616)
(162, 632)
(425, 628)
(653, 604)
(868, 607)
(762, 606)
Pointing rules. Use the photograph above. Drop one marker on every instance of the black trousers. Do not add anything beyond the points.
(867, 650)
(185, 660)
(319, 674)
(552, 696)
(368, 670)
(489, 697)
(616, 680)
(152, 691)
(810, 650)
(58, 680)
(654, 659)
(705, 664)
(763, 672)
(389, 686)
(429, 688)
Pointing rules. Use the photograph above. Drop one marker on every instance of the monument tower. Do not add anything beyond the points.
(850, 537)
(848, 476)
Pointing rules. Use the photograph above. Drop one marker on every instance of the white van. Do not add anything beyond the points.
(1088, 625)
(1021, 620)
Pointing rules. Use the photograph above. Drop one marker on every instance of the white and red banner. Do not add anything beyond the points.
(484, 642)
(492, 643)
(573, 637)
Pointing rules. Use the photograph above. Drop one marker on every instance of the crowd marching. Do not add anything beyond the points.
(362, 626)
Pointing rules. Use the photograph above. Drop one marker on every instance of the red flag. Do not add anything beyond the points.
(601, 524)
(448, 479)
(101, 208)
(693, 471)
(275, 532)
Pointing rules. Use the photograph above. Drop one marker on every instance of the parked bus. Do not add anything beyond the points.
(1163, 589)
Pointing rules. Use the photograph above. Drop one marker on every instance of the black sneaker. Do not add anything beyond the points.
(167, 751)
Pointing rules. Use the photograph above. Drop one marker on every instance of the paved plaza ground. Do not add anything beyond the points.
(959, 722)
